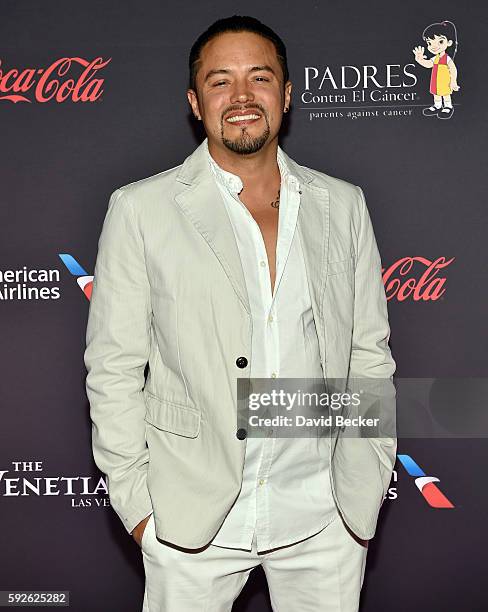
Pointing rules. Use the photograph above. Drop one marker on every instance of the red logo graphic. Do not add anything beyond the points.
(44, 85)
(429, 286)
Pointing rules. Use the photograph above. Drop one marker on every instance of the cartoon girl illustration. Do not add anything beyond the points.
(443, 80)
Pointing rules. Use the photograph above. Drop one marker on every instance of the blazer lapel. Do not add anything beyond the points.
(313, 228)
(201, 201)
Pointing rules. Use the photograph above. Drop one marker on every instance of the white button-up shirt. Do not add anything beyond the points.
(286, 494)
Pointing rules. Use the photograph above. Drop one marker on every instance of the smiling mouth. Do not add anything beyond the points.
(243, 119)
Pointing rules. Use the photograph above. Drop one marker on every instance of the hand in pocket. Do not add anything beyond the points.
(138, 531)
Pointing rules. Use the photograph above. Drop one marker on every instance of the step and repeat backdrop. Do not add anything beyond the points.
(92, 97)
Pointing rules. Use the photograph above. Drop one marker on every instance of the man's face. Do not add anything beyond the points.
(240, 92)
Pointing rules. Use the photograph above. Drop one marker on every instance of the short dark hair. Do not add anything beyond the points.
(236, 23)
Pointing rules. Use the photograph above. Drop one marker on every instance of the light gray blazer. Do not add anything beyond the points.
(169, 290)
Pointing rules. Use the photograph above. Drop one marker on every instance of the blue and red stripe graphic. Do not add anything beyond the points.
(431, 492)
(84, 280)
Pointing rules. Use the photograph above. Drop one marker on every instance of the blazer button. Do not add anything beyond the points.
(241, 362)
(241, 434)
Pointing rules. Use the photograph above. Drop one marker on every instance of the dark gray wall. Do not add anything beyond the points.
(424, 181)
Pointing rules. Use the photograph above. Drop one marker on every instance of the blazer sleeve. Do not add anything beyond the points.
(372, 365)
(117, 351)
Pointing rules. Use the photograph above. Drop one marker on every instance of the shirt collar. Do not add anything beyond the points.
(233, 181)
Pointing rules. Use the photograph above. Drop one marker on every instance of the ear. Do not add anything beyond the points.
(191, 94)
(288, 87)
(449, 43)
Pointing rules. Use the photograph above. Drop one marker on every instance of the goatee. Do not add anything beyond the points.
(246, 144)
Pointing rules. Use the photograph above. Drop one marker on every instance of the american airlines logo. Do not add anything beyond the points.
(425, 484)
(84, 280)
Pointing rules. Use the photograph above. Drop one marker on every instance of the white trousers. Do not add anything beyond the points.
(323, 573)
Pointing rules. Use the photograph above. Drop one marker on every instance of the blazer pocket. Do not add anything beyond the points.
(172, 417)
(344, 265)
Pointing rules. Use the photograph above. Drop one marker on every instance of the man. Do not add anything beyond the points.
(239, 263)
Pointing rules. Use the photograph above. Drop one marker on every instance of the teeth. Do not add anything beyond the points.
(242, 118)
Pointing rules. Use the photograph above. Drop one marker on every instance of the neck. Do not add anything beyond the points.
(256, 169)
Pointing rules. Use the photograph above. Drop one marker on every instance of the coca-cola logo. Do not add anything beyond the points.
(402, 281)
(45, 84)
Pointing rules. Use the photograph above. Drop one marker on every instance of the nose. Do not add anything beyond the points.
(241, 91)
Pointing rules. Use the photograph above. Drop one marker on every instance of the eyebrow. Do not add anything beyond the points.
(227, 71)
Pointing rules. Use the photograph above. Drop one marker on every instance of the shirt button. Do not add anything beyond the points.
(270, 318)
(273, 374)
(262, 263)
(261, 481)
